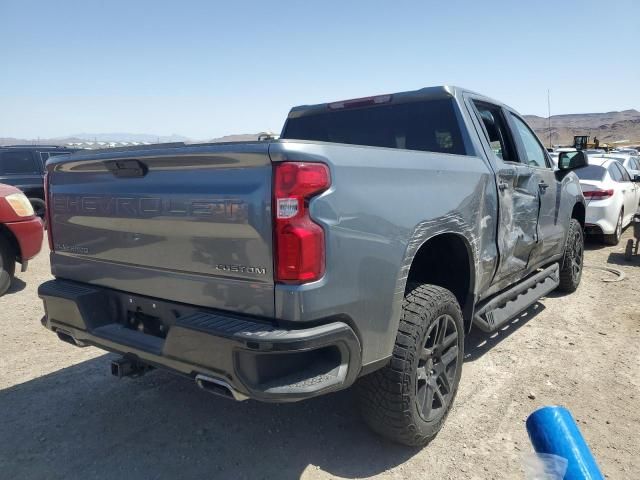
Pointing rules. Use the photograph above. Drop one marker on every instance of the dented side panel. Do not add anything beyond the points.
(518, 235)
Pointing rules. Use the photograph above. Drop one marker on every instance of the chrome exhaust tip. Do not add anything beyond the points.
(219, 387)
(68, 338)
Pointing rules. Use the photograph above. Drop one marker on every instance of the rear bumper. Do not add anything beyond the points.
(29, 234)
(603, 215)
(256, 358)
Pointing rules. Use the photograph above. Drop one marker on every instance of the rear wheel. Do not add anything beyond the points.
(7, 264)
(628, 251)
(614, 238)
(408, 400)
(571, 267)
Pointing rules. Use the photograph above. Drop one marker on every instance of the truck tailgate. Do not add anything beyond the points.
(188, 224)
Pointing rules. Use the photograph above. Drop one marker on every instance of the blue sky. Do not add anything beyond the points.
(206, 69)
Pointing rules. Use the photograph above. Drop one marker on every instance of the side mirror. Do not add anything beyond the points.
(571, 160)
(636, 178)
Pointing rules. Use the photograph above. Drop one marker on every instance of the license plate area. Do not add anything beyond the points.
(148, 324)
(147, 315)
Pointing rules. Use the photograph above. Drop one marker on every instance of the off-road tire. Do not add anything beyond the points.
(614, 238)
(572, 262)
(388, 397)
(7, 264)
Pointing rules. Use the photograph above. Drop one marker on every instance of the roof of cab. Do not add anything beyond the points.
(427, 93)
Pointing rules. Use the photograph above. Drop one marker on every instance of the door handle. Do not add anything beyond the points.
(543, 186)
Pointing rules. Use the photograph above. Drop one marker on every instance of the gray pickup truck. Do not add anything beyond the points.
(360, 247)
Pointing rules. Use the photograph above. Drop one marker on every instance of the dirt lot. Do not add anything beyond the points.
(64, 416)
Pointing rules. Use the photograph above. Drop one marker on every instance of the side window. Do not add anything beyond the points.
(534, 152)
(625, 173)
(496, 131)
(18, 163)
(615, 172)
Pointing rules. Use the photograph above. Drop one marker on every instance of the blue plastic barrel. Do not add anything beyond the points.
(553, 430)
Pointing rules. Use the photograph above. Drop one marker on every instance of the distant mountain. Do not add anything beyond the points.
(97, 137)
(40, 141)
(608, 127)
(123, 137)
(130, 137)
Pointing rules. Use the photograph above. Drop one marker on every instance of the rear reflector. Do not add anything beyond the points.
(360, 102)
(598, 194)
(299, 241)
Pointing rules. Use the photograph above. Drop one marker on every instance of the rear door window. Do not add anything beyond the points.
(615, 172)
(18, 163)
(496, 131)
(428, 125)
(625, 173)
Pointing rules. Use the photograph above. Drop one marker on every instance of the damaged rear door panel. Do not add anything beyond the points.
(518, 193)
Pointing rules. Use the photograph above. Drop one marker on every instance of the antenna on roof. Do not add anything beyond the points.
(549, 115)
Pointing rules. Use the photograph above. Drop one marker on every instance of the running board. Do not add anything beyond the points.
(504, 306)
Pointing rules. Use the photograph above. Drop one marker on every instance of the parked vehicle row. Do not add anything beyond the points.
(611, 188)
(20, 233)
(612, 197)
(23, 167)
(629, 161)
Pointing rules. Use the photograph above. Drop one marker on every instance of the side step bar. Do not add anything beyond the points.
(503, 307)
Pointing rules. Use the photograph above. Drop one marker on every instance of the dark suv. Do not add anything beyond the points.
(23, 167)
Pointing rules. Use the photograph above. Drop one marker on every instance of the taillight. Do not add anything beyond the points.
(598, 194)
(47, 210)
(299, 241)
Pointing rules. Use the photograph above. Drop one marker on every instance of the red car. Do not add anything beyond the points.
(20, 233)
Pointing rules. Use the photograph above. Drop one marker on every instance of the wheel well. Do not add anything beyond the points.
(446, 260)
(579, 213)
(11, 239)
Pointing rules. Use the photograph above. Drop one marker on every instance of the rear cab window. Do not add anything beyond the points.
(425, 125)
(591, 172)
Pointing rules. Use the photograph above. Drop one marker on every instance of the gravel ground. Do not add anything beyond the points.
(64, 416)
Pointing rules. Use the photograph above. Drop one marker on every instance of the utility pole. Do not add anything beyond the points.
(549, 115)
